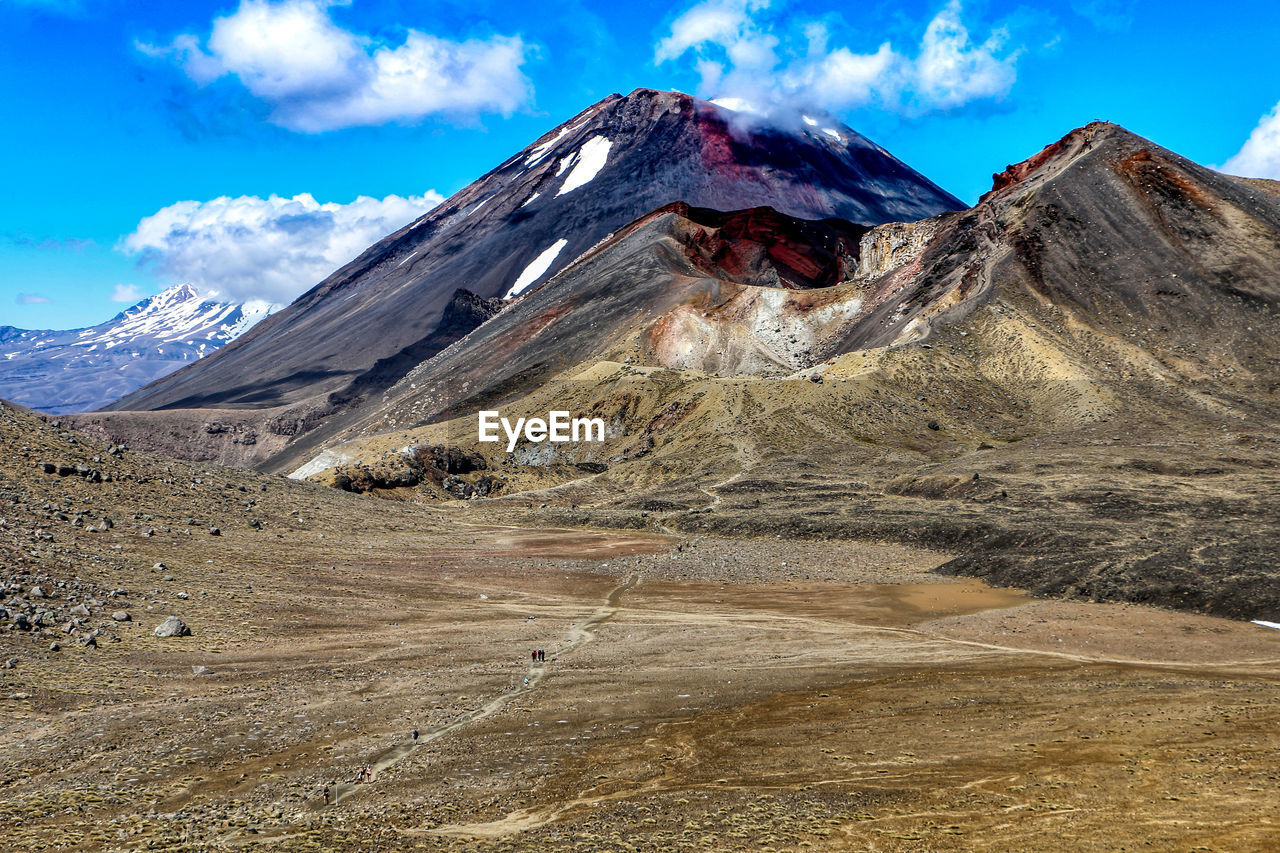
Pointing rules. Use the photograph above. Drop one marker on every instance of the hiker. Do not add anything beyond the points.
(327, 795)
(542, 656)
(534, 655)
(415, 734)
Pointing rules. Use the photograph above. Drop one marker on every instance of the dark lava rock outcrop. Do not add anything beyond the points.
(434, 465)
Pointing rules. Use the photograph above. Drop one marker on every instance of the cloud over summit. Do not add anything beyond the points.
(746, 48)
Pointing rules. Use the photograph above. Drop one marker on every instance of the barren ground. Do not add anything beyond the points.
(699, 693)
(911, 715)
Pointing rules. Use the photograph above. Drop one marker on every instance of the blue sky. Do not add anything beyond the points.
(251, 146)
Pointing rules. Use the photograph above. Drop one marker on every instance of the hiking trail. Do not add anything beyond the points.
(579, 635)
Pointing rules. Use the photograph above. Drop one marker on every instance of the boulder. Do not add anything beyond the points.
(121, 616)
(173, 627)
(201, 670)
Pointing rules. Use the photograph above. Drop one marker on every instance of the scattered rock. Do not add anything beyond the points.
(54, 647)
(173, 627)
(214, 531)
(81, 610)
(201, 670)
(121, 616)
(11, 663)
(934, 425)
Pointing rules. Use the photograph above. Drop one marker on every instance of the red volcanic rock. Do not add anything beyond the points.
(763, 247)
(1018, 172)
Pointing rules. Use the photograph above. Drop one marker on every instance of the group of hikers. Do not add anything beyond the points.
(365, 774)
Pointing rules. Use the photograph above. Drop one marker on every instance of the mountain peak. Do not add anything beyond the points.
(518, 226)
(1057, 155)
(76, 370)
(172, 295)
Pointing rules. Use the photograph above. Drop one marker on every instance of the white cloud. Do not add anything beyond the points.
(1260, 155)
(727, 23)
(317, 76)
(951, 70)
(842, 78)
(737, 50)
(271, 249)
(126, 293)
(31, 299)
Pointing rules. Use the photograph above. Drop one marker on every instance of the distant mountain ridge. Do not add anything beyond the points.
(79, 370)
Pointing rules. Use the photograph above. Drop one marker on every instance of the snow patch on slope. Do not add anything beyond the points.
(566, 162)
(539, 152)
(250, 313)
(590, 160)
(537, 268)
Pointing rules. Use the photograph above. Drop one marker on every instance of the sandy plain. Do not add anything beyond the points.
(892, 709)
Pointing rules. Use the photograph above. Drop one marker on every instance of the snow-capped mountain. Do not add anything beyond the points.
(79, 370)
(515, 228)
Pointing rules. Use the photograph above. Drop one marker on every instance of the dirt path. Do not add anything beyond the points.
(579, 635)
